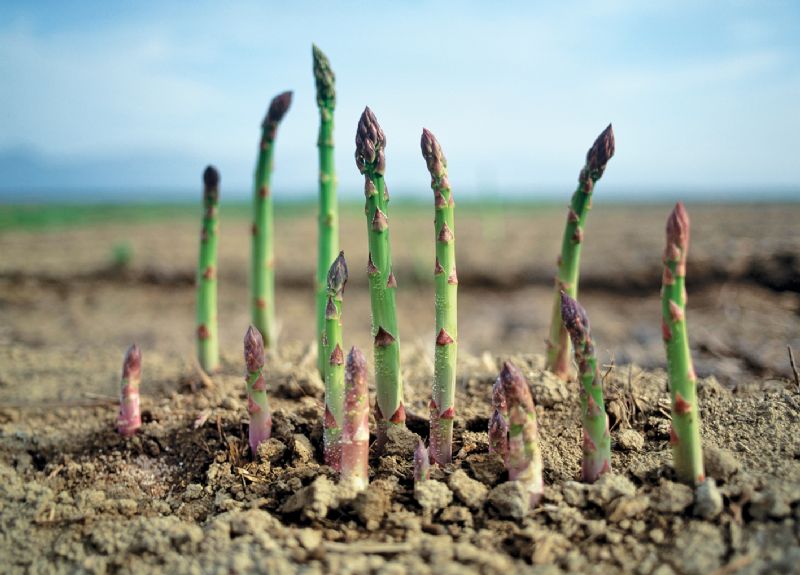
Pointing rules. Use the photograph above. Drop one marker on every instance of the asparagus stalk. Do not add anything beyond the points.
(524, 459)
(422, 463)
(334, 368)
(207, 333)
(328, 241)
(262, 273)
(257, 406)
(371, 162)
(597, 157)
(596, 438)
(687, 450)
(498, 422)
(355, 427)
(444, 375)
(130, 417)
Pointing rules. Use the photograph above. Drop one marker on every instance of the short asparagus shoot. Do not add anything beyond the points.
(328, 240)
(257, 406)
(262, 272)
(442, 404)
(355, 428)
(422, 463)
(596, 437)
(334, 367)
(524, 458)
(130, 416)
(371, 162)
(687, 452)
(207, 332)
(558, 346)
(498, 422)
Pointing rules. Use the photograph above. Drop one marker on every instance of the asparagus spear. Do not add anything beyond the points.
(334, 368)
(257, 406)
(498, 422)
(444, 376)
(524, 459)
(130, 417)
(685, 432)
(596, 438)
(328, 241)
(355, 427)
(597, 157)
(207, 334)
(422, 463)
(262, 263)
(371, 162)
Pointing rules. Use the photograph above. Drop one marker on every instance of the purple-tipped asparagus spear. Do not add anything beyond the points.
(498, 423)
(422, 463)
(524, 460)
(130, 417)
(355, 427)
(257, 407)
(596, 439)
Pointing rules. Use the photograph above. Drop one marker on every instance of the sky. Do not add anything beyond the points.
(133, 99)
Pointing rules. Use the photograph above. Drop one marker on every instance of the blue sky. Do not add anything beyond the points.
(141, 95)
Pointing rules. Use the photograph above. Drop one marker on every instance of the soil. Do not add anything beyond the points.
(185, 495)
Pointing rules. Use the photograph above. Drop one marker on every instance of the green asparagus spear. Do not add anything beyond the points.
(262, 264)
(597, 157)
(334, 368)
(687, 451)
(328, 241)
(596, 438)
(444, 375)
(371, 162)
(207, 334)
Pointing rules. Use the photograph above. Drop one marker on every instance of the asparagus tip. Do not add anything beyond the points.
(600, 153)
(356, 363)
(422, 462)
(211, 177)
(253, 349)
(515, 386)
(574, 316)
(432, 152)
(324, 78)
(337, 275)
(370, 143)
(132, 365)
(678, 227)
(278, 108)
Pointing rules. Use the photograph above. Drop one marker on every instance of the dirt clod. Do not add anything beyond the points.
(470, 492)
(671, 497)
(432, 495)
(708, 500)
(630, 440)
(720, 464)
(510, 499)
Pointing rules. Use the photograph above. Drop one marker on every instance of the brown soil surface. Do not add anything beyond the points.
(186, 496)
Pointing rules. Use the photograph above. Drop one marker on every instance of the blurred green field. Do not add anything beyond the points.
(58, 216)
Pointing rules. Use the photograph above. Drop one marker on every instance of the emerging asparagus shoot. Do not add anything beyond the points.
(371, 162)
(257, 406)
(328, 241)
(596, 438)
(355, 427)
(334, 368)
(524, 458)
(422, 463)
(498, 422)
(597, 157)
(687, 450)
(262, 272)
(444, 376)
(207, 333)
(130, 417)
